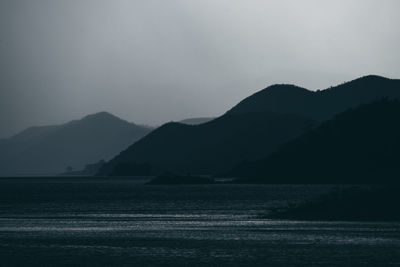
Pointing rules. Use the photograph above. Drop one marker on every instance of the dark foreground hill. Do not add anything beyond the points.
(211, 147)
(50, 149)
(253, 129)
(359, 146)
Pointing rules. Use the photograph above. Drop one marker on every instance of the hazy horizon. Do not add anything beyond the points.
(153, 61)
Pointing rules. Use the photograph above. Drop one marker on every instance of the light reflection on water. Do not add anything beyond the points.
(122, 223)
(205, 227)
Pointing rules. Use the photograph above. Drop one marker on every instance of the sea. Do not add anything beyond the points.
(88, 221)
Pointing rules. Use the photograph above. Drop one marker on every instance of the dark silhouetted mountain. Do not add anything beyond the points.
(361, 145)
(211, 147)
(319, 105)
(196, 121)
(50, 149)
(254, 128)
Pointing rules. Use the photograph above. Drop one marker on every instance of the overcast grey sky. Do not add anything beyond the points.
(152, 61)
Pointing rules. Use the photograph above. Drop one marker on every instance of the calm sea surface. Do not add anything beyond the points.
(121, 222)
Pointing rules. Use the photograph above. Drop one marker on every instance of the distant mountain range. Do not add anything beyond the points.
(51, 149)
(358, 146)
(253, 129)
(196, 121)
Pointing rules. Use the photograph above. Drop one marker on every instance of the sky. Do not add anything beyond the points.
(154, 61)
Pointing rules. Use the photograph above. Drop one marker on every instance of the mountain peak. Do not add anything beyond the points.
(272, 98)
(369, 79)
(369, 86)
(284, 89)
(100, 120)
(100, 115)
(372, 77)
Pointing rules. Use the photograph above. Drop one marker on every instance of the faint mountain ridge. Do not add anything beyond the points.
(50, 149)
(197, 121)
(33, 132)
(102, 116)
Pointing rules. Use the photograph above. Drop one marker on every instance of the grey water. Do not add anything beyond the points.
(122, 222)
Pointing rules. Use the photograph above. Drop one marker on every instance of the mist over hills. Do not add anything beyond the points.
(50, 149)
(254, 128)
(358, 146)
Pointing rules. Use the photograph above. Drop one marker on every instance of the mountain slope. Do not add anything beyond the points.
(361, 145)
(50, 149)
(319, 105)
(211, 147)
